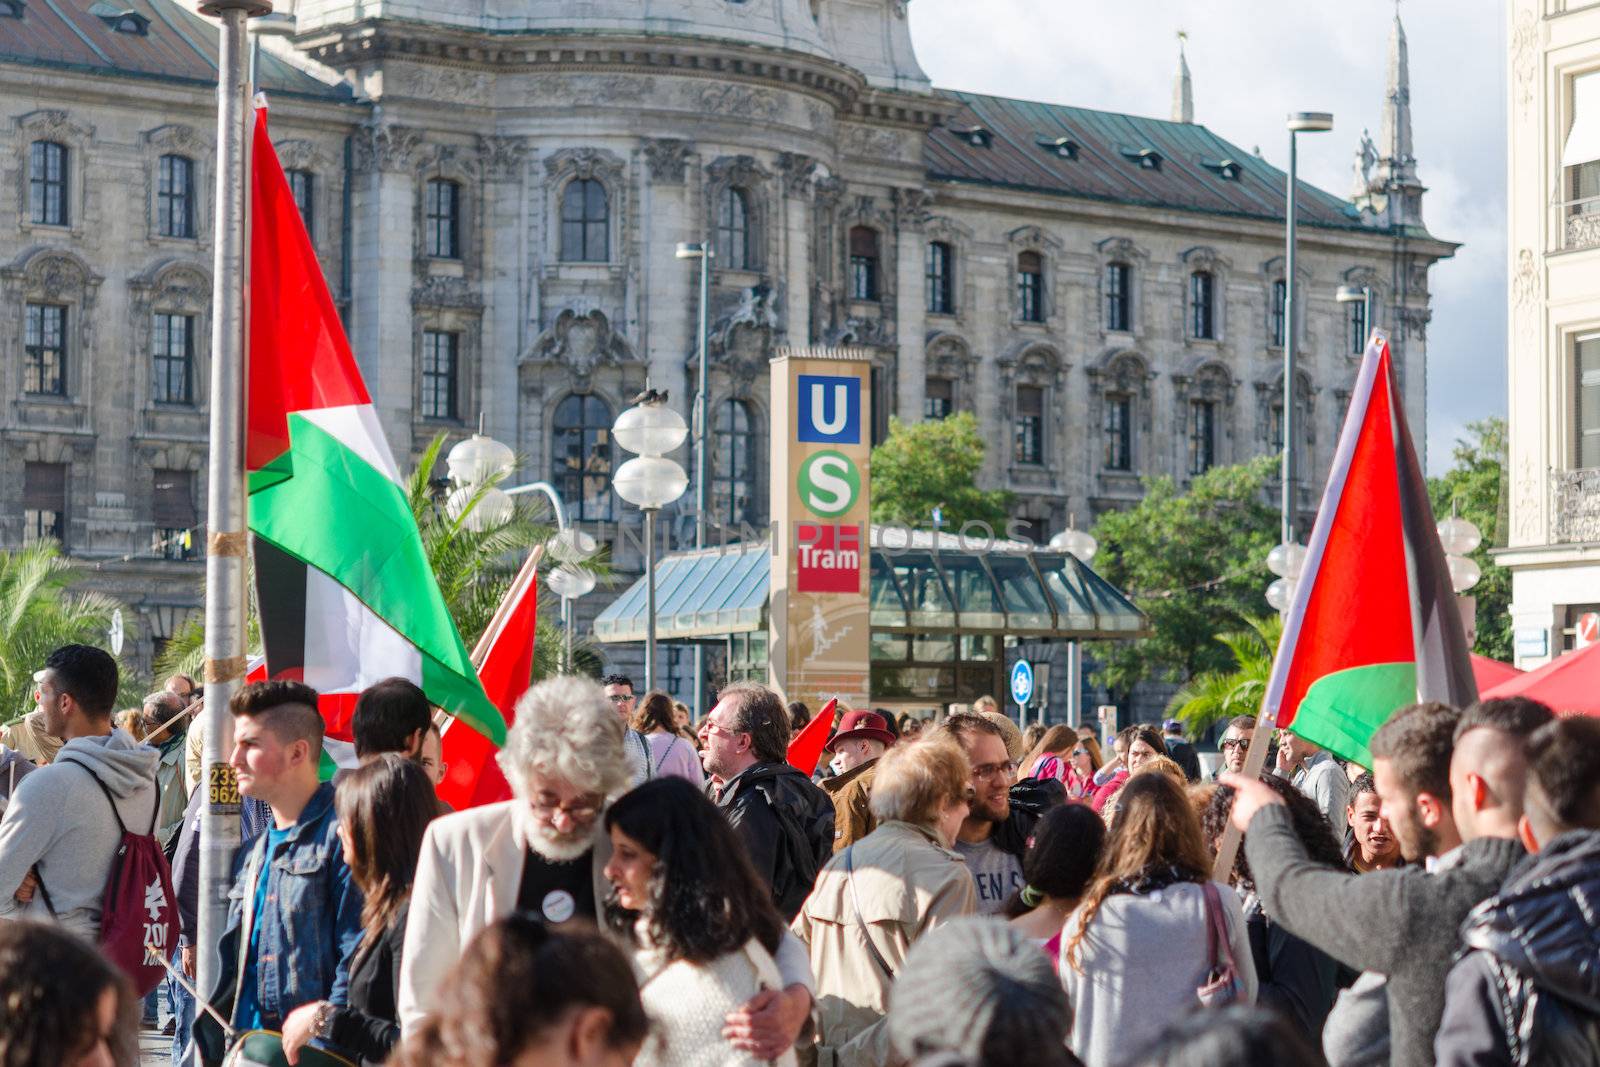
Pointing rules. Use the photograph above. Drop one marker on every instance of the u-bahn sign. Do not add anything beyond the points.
(821, 443)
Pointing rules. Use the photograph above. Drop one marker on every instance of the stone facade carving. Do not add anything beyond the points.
(386, 147)
(580, 341)
(739, 101)
(668, 159)
(502, 157)
(1525, 57)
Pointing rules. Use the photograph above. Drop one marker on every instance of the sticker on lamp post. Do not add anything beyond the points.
(829, 483)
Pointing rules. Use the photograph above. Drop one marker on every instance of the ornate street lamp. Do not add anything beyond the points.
(650, 481)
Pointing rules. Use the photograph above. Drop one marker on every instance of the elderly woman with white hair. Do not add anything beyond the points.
(544, 852)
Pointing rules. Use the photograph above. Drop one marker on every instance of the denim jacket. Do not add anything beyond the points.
(310, 926)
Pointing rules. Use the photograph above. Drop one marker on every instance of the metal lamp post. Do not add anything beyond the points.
(650, 481)
(1083, 546)
(702, 251)
(1358, 294)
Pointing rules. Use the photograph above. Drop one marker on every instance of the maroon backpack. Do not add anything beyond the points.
(138, 914)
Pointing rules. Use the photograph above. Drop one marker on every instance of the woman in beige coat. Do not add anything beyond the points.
(874, 899)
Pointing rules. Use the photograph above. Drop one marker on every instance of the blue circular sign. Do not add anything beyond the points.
(1022, 682)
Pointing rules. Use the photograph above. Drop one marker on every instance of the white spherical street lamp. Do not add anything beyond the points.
(650, 482)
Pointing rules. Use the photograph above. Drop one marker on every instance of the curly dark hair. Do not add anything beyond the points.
(706, 899)
(51, 983)
(1310, 826)
(1061, 857)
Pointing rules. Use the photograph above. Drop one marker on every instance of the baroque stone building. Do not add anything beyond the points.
(497, 188)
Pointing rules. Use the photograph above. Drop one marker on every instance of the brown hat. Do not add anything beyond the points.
(861, 724)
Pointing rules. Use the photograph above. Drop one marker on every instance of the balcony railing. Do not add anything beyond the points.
(1577, 506)
(1580, 223)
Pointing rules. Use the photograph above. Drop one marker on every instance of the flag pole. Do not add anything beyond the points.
(1255, 759)
(225, 507)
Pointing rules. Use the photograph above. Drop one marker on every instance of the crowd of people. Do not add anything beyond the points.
(676, 894)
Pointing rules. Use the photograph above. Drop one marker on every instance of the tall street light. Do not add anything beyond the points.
(1082, 545)
(1299, 122)
(702, 251)
(650, 482)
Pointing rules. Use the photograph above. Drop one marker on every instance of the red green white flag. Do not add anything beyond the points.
(1374, 624)
(344, 588)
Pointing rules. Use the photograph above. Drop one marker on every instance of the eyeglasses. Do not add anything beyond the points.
(1080, 752)
(985, 771)
(1235, 742)
(620, 698)
(585, 809)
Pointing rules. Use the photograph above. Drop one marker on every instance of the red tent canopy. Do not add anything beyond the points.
(1568, 683)
(1489, 673)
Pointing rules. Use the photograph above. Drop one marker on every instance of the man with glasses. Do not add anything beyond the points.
(1000, 819)
(635, 749)
(1235, 744)
(544, 852)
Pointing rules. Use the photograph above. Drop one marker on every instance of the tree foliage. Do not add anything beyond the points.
(1195, 563)
(40, 612)
(1474, 486)
(1217, 696)
(934, 464)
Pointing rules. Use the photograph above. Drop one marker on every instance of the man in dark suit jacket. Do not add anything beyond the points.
(1181, 750)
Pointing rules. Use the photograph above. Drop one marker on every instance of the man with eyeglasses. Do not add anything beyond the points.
(619, 690)
(1235, 744)
(1000, 818)
(543, 853)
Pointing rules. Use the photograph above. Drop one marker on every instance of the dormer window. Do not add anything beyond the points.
(1064, 147)
(976, 136)
(11, 9)
(121, 19)
(1147, 158)
(1229, 170)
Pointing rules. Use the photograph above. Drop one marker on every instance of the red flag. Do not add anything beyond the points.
(505, 664)
(806, 750)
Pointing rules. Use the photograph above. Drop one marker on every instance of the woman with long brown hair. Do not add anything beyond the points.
(1046, 758)
(61, 1002)
(669, 753)
(1137, 949)
(384, 808)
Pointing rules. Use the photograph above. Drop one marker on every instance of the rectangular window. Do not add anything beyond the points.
(1358, 327)
(1280, 296)
(940, 280)
(1118, 309)
(303, 186)
(443, 219)
(44, 350)
(1028, 433)
(440, 373)
(939, 398)
(1580, 154)
(863, 263)
(175, 197)
(47, 183)
(173, 344)
(1586, 359)
(1202, 436)
(44, 502)
(1030, 287)
(174, 515)
(1202, 320)
(1119, 432)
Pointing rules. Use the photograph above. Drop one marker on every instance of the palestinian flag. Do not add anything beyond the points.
(1374, 624)
(343, 585)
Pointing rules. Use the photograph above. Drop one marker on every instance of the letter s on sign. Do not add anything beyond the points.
(829, 483)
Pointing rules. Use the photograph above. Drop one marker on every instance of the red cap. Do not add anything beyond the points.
(862, 724)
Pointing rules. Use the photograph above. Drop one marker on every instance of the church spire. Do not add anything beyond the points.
(1182, 88)
(1394, 139)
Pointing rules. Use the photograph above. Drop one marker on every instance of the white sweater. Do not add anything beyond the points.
(1141, 962)
(688, 1004)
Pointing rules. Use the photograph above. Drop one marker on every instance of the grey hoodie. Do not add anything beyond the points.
(59, 820)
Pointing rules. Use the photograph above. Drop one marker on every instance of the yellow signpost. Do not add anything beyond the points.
(821, 447)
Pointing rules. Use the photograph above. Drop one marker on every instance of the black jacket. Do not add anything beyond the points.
(1398, 923)
(1184, 755)
(1297, 980)
(1030, 799)
(1526, 991)
(186, 867)
(786, 824)
(369, 1026)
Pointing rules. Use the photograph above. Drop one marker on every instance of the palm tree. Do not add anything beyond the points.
(40, 612)
(1216, 696)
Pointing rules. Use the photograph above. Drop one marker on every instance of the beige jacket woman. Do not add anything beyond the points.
(904, 883)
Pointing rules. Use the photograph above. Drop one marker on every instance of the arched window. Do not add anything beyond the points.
(733, 229)
(580, 449)
(585, 222)
(733, 465)
(1030, 287)
(863, 263)
(1202, 310)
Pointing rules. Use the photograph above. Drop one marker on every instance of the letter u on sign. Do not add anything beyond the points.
(830, 408)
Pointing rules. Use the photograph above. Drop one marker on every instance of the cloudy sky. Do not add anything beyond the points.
(1252, 62)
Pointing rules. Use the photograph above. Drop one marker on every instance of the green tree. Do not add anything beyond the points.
(1216, 696)
(1474, 487)
(934, 464)
(1195, 563)
(40, 611)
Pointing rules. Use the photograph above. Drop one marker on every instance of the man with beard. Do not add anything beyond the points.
(1370, 844)
(1000, 818)
(1452, 789)
(544, 851)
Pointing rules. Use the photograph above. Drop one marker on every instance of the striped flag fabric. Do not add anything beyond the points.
(1374, 624)
(343, 584)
